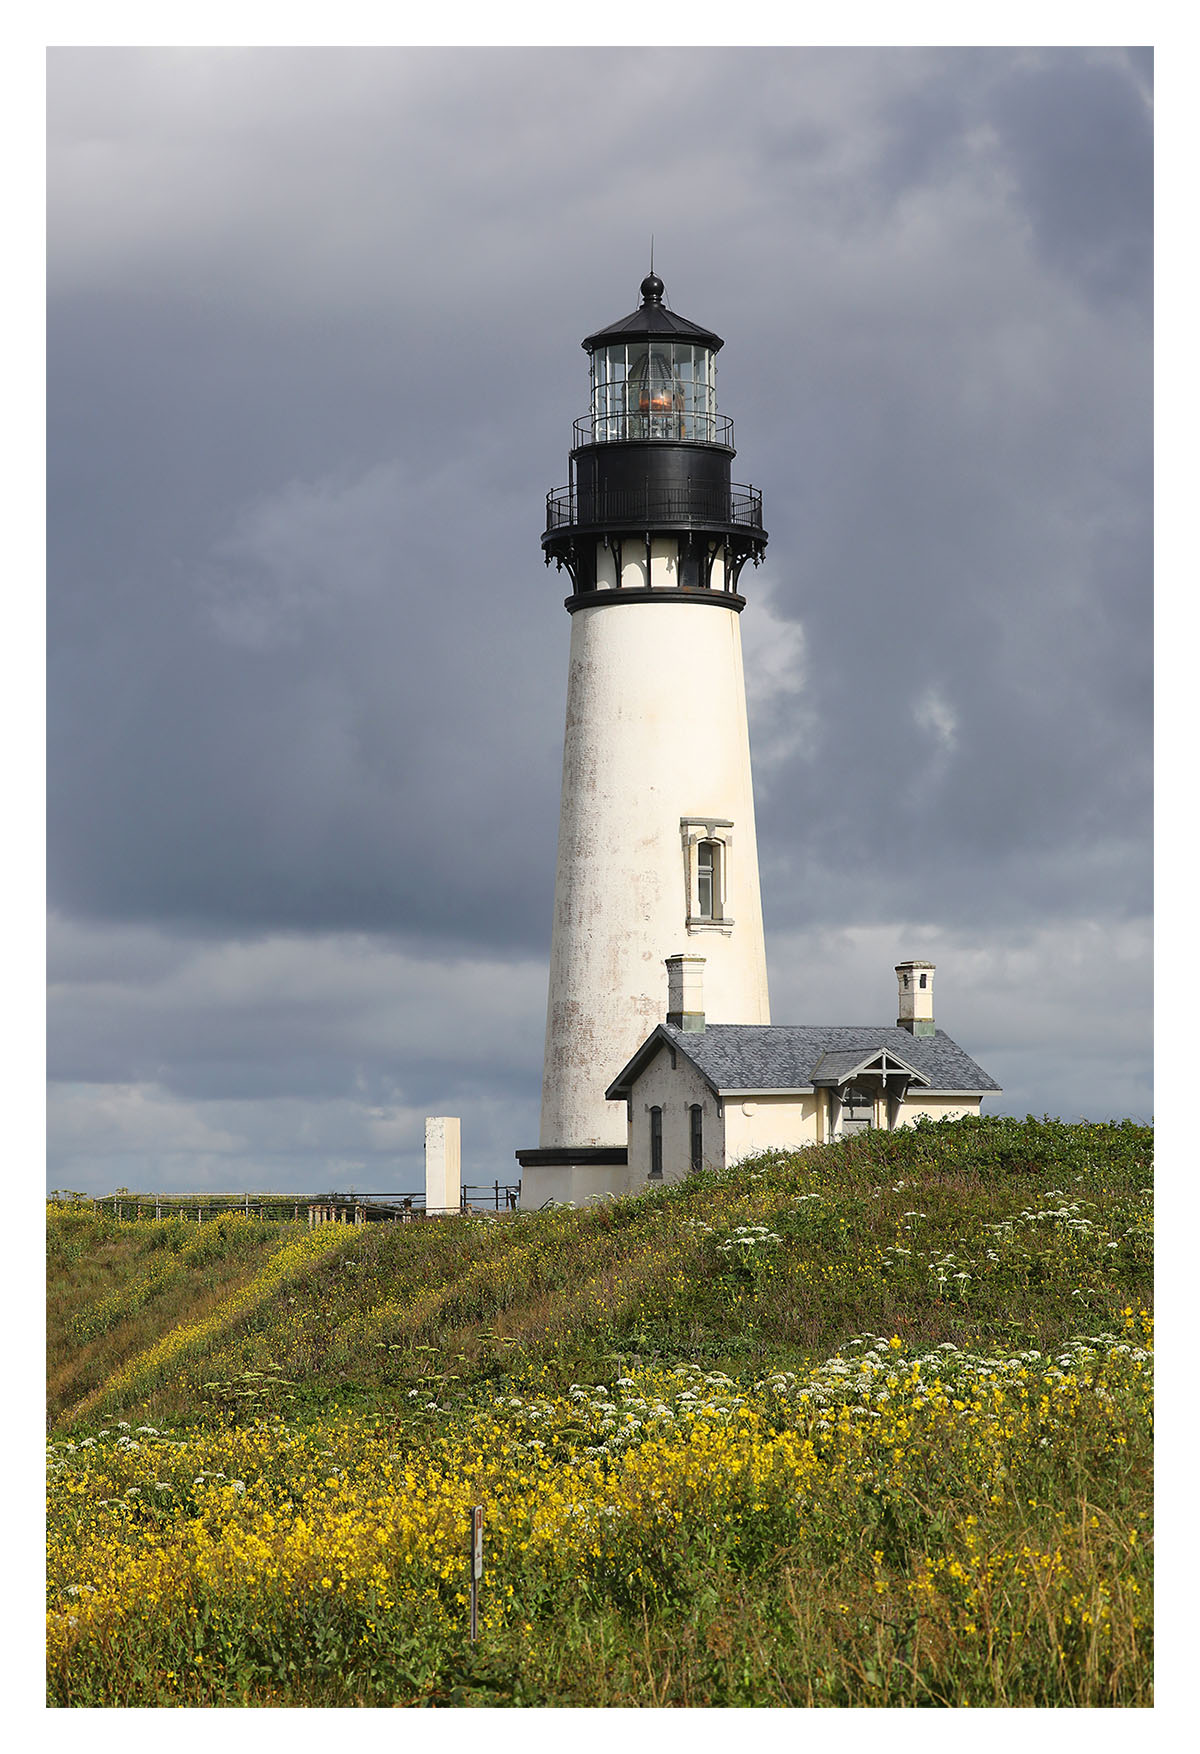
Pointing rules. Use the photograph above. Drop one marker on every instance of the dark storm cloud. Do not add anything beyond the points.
(314, 352)
(1070, 130)
(1082, 153)
(968, 514)
(281, 1016)
(327, 724)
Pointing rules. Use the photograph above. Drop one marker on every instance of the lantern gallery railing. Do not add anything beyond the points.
(655, 504)
(691, 426)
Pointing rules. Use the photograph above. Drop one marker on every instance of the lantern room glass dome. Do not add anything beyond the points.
(654, 388)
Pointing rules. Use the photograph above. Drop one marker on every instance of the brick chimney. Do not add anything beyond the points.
(916, 997)
(685, 993)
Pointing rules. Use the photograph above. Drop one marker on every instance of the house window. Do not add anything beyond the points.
(858, 1109)
(656, 1143)
(697, 1117)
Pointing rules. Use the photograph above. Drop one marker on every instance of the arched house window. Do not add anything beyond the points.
(656, 1155)
(696, 1116)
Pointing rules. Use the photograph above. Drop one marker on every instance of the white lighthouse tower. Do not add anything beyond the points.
(657, 854)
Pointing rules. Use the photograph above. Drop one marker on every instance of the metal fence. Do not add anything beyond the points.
(333, 1207)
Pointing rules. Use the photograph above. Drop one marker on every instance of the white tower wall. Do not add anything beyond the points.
(656, 736)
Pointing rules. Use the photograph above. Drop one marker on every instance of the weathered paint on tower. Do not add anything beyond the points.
(657, 851)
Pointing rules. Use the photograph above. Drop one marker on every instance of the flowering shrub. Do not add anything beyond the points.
(211, 1555)
(684, 1505)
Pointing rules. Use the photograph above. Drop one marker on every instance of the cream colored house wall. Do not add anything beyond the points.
(643, 677)
(674, 1091)
(781, 1123)
(937, 1108)
(768, 1123)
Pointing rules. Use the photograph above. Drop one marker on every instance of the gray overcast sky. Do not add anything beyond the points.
(314, 324)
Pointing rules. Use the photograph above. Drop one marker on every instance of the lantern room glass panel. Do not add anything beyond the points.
(653, 389)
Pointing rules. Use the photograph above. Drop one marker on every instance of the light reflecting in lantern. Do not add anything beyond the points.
(653, 389)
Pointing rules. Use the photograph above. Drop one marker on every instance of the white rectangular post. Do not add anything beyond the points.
(443, 1163)
(476, 1566)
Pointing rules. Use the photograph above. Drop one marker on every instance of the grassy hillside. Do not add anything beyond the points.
(867, 1424)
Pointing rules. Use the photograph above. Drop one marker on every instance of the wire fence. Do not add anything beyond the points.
(333, 1207)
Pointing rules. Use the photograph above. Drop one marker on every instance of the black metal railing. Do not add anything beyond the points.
(490, 1196)
(680, 426)
(654, 504)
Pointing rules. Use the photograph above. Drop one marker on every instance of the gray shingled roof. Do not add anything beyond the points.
(782, 1056)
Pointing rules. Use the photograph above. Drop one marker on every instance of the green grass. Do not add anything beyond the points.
(993, 1237)
(114, 1288)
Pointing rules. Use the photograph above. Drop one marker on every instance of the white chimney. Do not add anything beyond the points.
(916, 997)
(685, 993)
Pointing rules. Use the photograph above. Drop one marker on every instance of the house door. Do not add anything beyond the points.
(858, 1110)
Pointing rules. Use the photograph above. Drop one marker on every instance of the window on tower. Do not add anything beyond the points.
(706, 874)
(706, 847)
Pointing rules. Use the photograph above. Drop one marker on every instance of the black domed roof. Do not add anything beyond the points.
(653, 318)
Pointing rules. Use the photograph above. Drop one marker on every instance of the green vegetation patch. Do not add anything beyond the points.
(861, 1425)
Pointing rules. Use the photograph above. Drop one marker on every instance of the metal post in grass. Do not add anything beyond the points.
(476, 1550)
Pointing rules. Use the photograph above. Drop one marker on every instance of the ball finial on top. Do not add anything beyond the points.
(652, 290)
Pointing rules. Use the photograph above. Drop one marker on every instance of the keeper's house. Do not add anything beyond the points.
(700, 1097)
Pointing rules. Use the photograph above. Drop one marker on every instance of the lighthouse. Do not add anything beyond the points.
(657, 855)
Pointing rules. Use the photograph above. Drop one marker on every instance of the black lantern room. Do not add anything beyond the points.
(650, 475)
